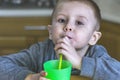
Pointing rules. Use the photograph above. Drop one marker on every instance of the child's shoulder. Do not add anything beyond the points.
(97, 51)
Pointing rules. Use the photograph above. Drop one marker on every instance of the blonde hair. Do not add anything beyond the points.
(90, 3)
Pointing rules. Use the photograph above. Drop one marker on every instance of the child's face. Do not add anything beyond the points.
(75, 21)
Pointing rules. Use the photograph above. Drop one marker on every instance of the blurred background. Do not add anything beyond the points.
(24, 22)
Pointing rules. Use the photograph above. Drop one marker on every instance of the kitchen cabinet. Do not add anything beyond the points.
(111, 38)
(17, 33)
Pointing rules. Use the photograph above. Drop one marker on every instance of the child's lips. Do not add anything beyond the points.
(69, 37)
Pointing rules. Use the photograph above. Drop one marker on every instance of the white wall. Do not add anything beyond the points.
(110, 9)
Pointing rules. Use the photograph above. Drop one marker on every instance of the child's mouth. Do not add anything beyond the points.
(69, 37)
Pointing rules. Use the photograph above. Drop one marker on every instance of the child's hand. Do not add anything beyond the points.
(37, 76)
(65, 47)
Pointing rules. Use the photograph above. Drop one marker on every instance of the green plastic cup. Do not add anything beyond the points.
(54, 73)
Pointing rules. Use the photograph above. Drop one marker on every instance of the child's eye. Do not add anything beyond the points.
(79, 23)
(61, 20)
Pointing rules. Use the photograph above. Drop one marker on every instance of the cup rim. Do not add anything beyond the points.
(70, 65)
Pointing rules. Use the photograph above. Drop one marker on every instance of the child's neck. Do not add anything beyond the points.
(83, 51)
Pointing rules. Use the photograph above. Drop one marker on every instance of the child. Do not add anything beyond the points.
(74, 32)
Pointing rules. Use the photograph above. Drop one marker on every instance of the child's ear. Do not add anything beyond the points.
(95, 37)
(50, 31)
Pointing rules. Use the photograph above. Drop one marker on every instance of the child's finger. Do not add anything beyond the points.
(43, 73)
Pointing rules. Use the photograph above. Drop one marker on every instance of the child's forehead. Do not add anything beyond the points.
(73, 4)
(74, 10)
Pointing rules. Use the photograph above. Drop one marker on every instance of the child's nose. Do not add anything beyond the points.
(68, 28)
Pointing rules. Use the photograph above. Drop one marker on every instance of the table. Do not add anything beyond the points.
(75, 77)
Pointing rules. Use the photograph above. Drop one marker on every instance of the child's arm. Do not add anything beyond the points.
(17, 66)
(99, 65)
